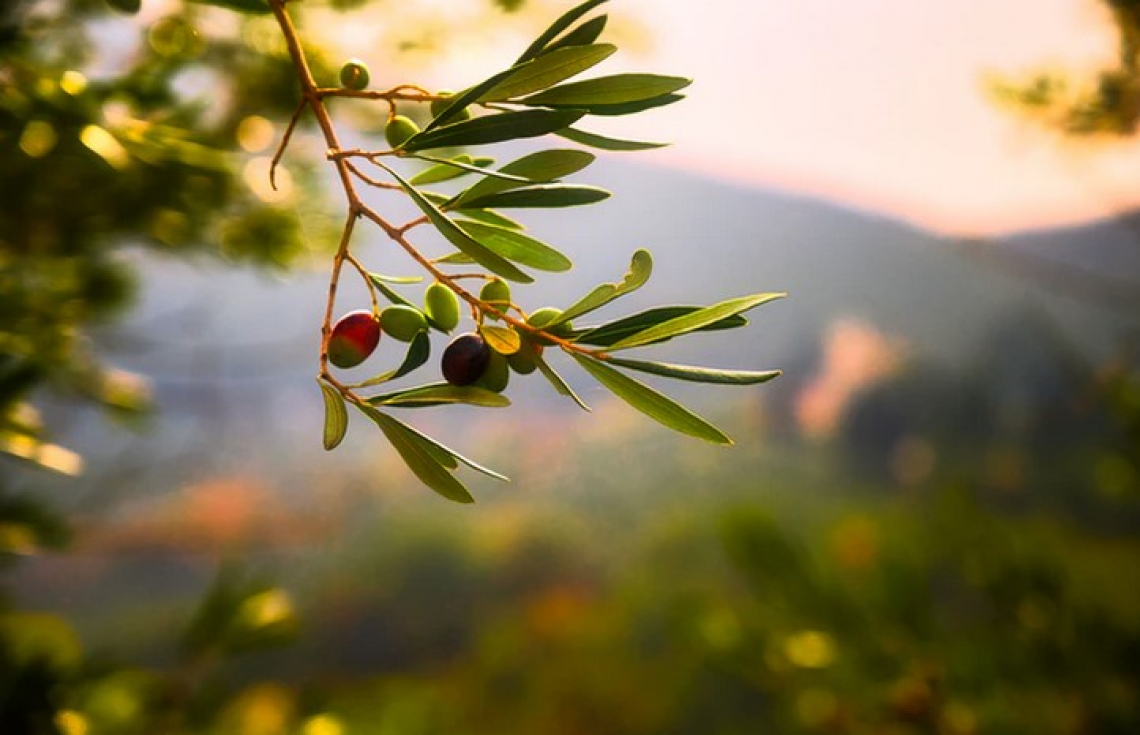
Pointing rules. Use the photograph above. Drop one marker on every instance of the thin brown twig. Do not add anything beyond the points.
(285, 137)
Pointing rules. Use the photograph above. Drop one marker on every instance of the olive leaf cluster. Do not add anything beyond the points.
(538, 96)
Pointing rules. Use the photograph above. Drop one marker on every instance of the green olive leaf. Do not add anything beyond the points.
(698, 374)
(583, 35)
(640, 268)
(695, 320)
(398, 280)
(459, 102)
(516, 247)
(625, 108)
(464, 167)
(543, 195)
(606, 144)
(493, 218)
(656, 406)
(460, 239)
(548, 70)
(496, 128)
(617, 89)
(336, 416)
(427, 460)
(606, 334)
(438, 394)
(501, 339)
(418, 352)
(451, 168)
(563, 22)
(539, 167)
(559, 383)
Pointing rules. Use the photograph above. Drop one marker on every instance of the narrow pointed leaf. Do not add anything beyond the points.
(494, 219)
(501, 339)
(452, 168)
(418, 352)
(624, 108)
(460, 239)
(548, 70)
(696, 320)
(449, 457)
(617, 89)
(423, 458)
(656, 406)
(566, 20)
(640, 268)
(495, 128)
(583, 35)
(559, 383)
(543, 195)
(698, 374)
(398, 280)
(515, 246)
(458, 103)
(336, 416)
(607, 334)
(606, 144)
(438, 394)
(539, 167)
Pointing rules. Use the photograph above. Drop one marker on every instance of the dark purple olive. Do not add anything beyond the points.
(465, 359)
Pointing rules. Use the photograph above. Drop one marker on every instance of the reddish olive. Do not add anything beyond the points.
(353, 338)
(465, 359)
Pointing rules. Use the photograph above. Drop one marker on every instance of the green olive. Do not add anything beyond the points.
(442, 306)
(354, 75)
(399, 129)
(438, 106)
(546, 315)
(497, 293)
(126, 6)
(525, 361)
(403, 322)
(496, 375)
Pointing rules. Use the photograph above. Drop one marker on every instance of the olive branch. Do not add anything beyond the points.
(530, 99)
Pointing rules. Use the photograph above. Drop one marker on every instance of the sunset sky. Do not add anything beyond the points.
(878, 104)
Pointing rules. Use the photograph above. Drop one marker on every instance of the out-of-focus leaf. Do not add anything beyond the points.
(698, 374)
(583, 35)
(427, 461)
(539, 167)
(501, 339)
(656, 406)
(617, 89)
(563, 22)
(640, 268)
(336, 416)
(460, 239)
(696, 320)
(606, 334)
(438, 394)
(514, 245)
(544, 195)
(606, 144)
(418, 352)
(559, 383)
(496, 128)
(257, 7)
(548, 70)
(448, 171)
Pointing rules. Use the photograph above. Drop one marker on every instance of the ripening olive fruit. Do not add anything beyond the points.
(465, 359)
(126, 6)
(353, 338)
(442, 305)
(547, 314)
(497, 293)
(399, 129)
(438, 106)
(497, 373)
(403, 322)
(525, 360)
(354, 75)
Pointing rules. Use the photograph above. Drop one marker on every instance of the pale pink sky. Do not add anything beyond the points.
(879, 104)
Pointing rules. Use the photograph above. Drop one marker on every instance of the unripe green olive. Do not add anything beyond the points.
(353, 338)
(547, 314)
(525, 360)
(465, 359)
(126, 6)
(399, 129)
(497, 293)
(354, 75)
(497, 373)
(438, 106)
(403, 322)
(442, 305)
